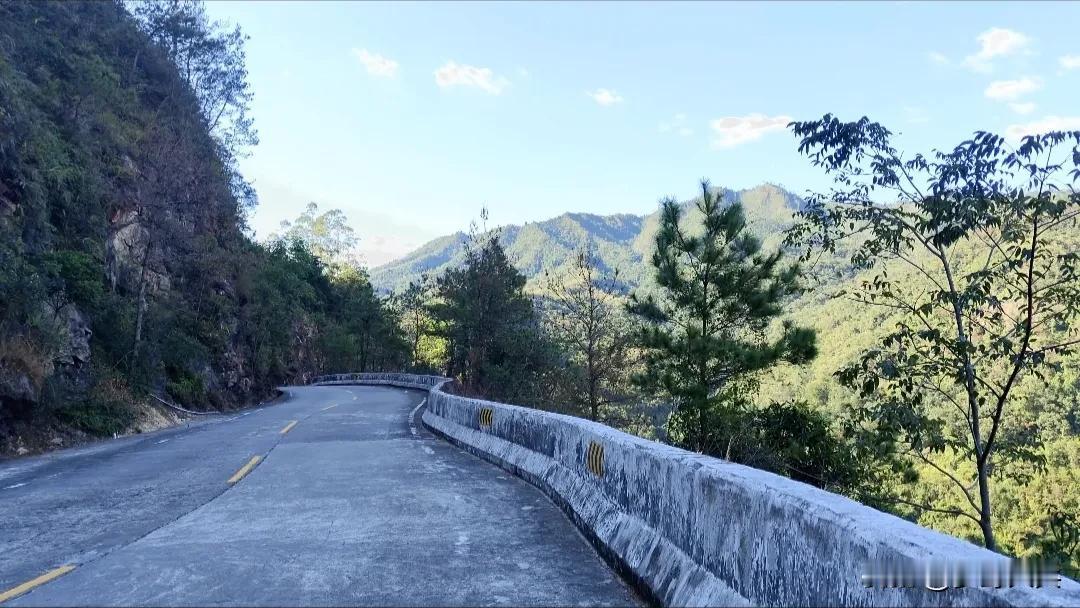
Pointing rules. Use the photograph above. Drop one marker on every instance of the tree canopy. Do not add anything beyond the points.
(709, 327)
(991, 297)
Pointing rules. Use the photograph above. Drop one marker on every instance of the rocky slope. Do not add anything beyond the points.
(125, 270)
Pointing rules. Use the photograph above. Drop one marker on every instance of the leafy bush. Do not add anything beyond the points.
(107, 411)
(188, 390)
(82, 277)
(802, 445)
(21, 355)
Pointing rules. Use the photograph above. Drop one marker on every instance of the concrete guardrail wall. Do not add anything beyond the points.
(692, 530)
(387, 378)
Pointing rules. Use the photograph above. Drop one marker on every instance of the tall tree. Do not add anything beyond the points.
(369, 326)
(586, 322)
(210, 57)
(286, 286)
(968, 247)
(709, 329)
(328, 234)
(415, 316)
(175, 200)
(487, 320)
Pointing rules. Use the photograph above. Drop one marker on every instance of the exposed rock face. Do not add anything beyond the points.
(16, 386)
(125, 254)
(305, 358)
(233, 373)
(7, 206)
(75, 337)
(72, 357)
(24, 368)
(131, 229)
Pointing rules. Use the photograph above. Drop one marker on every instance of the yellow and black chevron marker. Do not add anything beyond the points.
(594, 459)
(487, 416)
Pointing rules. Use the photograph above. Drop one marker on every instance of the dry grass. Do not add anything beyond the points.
(21, 355)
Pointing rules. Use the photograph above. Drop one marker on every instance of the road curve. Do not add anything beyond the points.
(335, 499)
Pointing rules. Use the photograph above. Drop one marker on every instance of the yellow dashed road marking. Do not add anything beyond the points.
(288, 427)
(244, 470)
(37, 582)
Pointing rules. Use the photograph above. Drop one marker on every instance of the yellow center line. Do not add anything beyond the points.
(328, 407)
(244, 470)
(41, 580)
(288, 427)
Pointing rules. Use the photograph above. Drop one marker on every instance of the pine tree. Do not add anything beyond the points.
(488, 321)
(414, 305)
(713, 322)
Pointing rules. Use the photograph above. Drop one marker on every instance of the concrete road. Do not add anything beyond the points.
(349, 504)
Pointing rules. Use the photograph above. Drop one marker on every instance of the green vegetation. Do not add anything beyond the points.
(807, 420)
(942, 290)
(588, 324)
(617, 241)
(990, 296)
(425, 348)
(495, 345)
(124, 266)
(708, 331)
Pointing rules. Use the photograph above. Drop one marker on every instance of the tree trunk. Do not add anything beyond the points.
(416, 341)
(701, 428)
(364, 348)
(591, 370)
(984, 511)
(141, 311)
(982, 454)
(594, 405)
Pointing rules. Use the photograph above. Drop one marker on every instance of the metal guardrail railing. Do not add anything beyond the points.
(180, 409)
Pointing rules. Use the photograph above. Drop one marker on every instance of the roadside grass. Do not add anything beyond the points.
(109, 409)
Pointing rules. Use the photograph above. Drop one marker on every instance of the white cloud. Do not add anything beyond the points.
(677, 125)
(376, 64)
(1012, 89)
(378, 249)
(458, 74)
(1070, 62)
(1044, 125)
(731, 131)
(605, 97)
(1023, 108)
(938, 58)
(995, 42)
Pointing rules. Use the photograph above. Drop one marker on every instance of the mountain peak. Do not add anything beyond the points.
(622, 240)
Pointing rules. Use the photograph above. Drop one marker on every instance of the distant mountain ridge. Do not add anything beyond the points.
(622, 241)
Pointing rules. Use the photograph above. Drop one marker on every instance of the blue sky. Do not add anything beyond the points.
(411, 117)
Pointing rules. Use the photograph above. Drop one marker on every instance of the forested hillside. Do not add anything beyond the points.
(125, 270)
(621, 241)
